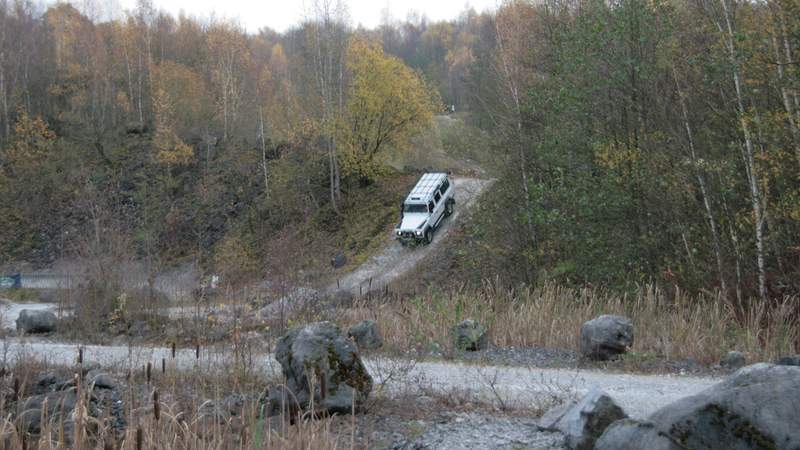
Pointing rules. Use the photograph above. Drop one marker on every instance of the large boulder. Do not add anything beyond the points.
(366, 335)
(755, 408)
(469, 336)
(36, 321)
(630, 434)
(321, 363)
(582, 422)
(606, 337)
(30, 417)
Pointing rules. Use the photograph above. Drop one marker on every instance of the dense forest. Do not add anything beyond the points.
(632, 141)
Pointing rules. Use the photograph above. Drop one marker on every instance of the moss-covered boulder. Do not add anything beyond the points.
(319, 362)
(470, 336)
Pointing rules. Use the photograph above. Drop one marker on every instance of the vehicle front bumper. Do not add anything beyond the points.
(408, 235)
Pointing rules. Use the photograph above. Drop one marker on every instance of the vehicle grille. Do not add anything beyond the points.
(407, 234)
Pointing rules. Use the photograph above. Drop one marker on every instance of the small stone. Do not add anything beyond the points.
(101, 380)
(339, 260)
(733, 360)
(789, 361)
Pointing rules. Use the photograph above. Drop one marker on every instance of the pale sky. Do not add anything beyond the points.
(280, 15)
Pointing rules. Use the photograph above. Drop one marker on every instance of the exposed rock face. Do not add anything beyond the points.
(733, 360)
(320, 363)
(366, 335)
(470, 336)
(755, 408)
(582, 422)
(606, 337)
(35, 321)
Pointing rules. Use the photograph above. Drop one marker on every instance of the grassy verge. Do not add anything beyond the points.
(671, 327)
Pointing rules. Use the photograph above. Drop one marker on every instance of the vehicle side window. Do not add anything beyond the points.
(437, 197)
(430, 206)
(445, 186)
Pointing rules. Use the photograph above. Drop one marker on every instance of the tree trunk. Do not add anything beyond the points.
(516, 108)
(4, 99)
(786, 96)
(699, 176)
(264, 154)
(749, 154)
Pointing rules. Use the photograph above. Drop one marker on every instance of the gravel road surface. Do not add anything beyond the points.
(514, 387)
(393, 260)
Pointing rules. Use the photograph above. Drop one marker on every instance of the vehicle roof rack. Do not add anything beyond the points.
(426, 186)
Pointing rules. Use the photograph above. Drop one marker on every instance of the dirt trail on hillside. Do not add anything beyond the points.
(394, 260)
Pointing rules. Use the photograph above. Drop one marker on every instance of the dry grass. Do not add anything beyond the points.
(175, 410)
(677, 326)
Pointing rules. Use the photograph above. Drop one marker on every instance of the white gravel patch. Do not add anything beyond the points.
(519, 387)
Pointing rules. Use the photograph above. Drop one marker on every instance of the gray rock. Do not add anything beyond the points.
(470, 336)
(583, 421)
(36, 321)
(30, 418)
(630, 434)
(606, 337)
(755, 408)
(101, 380)
(43, 382)
(733, 360)
(788, 361)
(339, 260)
(321, 363)
(366, 335)
(104, 403)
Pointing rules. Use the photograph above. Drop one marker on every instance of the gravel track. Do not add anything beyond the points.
(511, 387)
(393, 260)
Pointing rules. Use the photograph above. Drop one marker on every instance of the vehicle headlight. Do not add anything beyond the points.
(399, 232)
(419, 233)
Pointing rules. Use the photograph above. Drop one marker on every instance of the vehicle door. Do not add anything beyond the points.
(438, 208)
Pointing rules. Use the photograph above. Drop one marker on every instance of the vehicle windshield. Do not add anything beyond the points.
(415, 208)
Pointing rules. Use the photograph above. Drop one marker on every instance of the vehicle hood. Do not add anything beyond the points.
(412, 221)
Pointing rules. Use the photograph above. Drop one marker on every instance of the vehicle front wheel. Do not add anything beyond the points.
(428, 236)
(448, 210)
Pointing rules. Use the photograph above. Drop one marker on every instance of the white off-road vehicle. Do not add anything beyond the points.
(426, 206)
